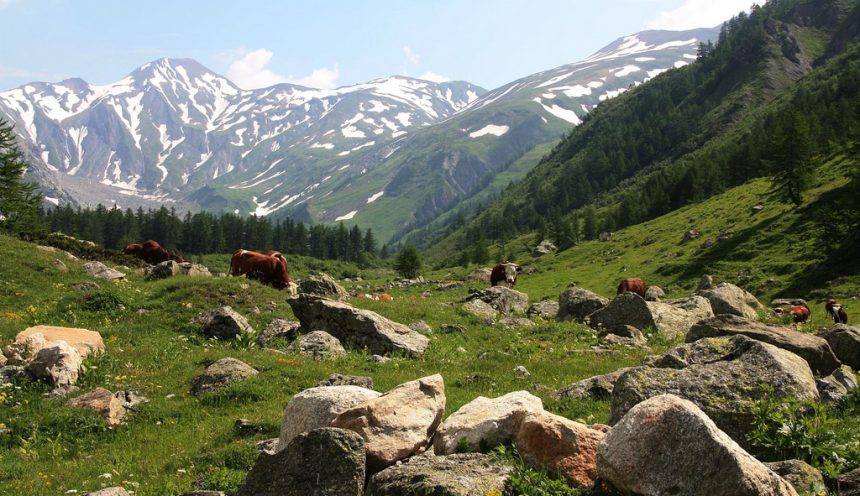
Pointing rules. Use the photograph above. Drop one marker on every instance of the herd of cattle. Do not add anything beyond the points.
(270, 267)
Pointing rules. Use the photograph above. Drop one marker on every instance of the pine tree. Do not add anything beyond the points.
(790, 159)
(19, 201)
(369, 242)
(408, 263)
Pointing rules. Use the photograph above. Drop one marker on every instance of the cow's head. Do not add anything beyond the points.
(292, 288)
(511, 270)
(132, 249)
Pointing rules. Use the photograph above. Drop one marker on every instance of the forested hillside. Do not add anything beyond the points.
(775, 94)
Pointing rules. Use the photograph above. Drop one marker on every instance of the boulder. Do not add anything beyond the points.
(399, 423)
(109, 491)
(845, 343)
(667, 445)
(278, 329)
(502, 298)
(421, 327)
(317, 407)
(453, 475)
(164, 270)
(547, 310)
(597, 387)
(576, 304)
(102, 271)
(480, 275)
(3, 360)
(787, 302)
(814, 350)
(805, 478)
(673, 318)
(837, 385)
(323, 285)
(103, 402)
(626, 336)
(322, 462)
(561, 446)
(485, 423)
(707, 282)
(24, 348)
(319, 345)
(357, 327)
(58, 363)
(194, 270)
(545, 247)
(221, 373)
(86, 342)
(59, 265)
(847, 484)
(605, 236)
(723, 376)
(480, 309)
(225, 323)
(730, 299)
(347, 380)
(654, 293)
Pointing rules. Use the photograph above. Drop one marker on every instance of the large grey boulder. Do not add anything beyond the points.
(547, 310)
(278, 329)
(58, 363)
(323, 285)
(319, 345)
(109, 491)
(317, 407)
(837, 385)
(724, 376)
(322, 462)
(596, 387)
(730, 299)
(102, 271)
(222, 373)
(224, 323)
(545, 247)
(848, 484)
(347, 380)
(814, 350)
(357, 327)
(194, 270)
(480, 275)
(502, 299)
(480, 309)
(576, 304)
(845, 343)
(667, 445)
(453, 475)
(485, 422)
(805, 478)
(163, 270)
(673, 318)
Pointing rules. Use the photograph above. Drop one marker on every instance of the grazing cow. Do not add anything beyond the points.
(375, 296)
(836, 312)
(632, 285)
(151, 252)
(800, 313)
(268, 269)
(504, 272)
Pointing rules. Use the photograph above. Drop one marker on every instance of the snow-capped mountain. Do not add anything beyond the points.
(172, 126)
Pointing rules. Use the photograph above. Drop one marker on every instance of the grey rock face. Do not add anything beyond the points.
(547, 310)
(722, 376)
(480, 309)
(654, 293)
(837, 385)
(545, 247)
(317, 407)
(322, 462)
(164, 270)
(597, 387)
(502, 299)
(278, 329)
(421, 327)
(815, 350)
(109, 491)
(730, 299)
(802, 476)
(221, 373)
(347, 380)
(845, 343)
(453, 475)
(577, 303)
(102, 271)
(319, 345)
(356, 327)
(323, 285)
(58, 363)
(667, 445)
(225, 323)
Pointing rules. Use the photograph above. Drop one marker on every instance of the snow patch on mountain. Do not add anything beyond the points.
(491, 129)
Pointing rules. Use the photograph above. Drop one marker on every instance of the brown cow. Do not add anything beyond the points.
(632, 285)
(504, 272)
(836, 311)
(800, 313)
(268, 269)
(151, 252)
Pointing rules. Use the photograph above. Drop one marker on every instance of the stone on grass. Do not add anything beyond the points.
(102, 271)
(724, 376)
(627, 336)
(319, 345)
(513, 322)
(654, 293)
(59, 265)
(225, 323)
(845, 343)
(194, 270)
(356, 327)
(322, 462)
(502, 299)
(672, 318)
(599, 387)
(278, 329)
(24, 349)
(102, 402)
(86, 342)
(163, 270)
(453, 475)
(317, 407)
(222, 373)
(545, 247)
(480, 309)
(847, 484)
(576, 304)
(727, 298)
(547, 310)
(399, 423)
(480, 275)
(815, 350)
(421, 327)
(109, 491)
(561, 446)
(837, 385)
(667, 445)
(347, 380)
(802, 476)
(485, 423)
(58, 363)
(323, 285)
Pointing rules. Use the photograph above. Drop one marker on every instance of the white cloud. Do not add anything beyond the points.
(436, 78)
(411, 56)
(249, 71)
(699, 14)
(6, 3)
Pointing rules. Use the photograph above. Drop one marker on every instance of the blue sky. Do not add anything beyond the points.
(326, 43)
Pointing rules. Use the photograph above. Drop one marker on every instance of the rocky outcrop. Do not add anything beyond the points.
(485, 423)
(278, 329)
(224, 323)
(727, 298)
(102, 402)
(805, 478)
(576, 304)
(502, 299)
(222, 373)
(654, 293)
(545, 247)
(723, 376)
(319, 345)
(837, 385)
(322, 462)
(453, 475)
(323, 285)
(102, 271)
(399, 423)
(109, 491)
(547, 310)
(86, 342)
(480, 309)
(164, 270)
(347, 380)
(24, 348)
(845, 343)
(480, 275)
(561, 446)
(57, 363)
(317, 407)
(597, 387)
(667, 445)
(357, 327)
(673, 318)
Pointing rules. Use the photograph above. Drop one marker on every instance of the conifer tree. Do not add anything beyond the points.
(19, 200)
(408, 263)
